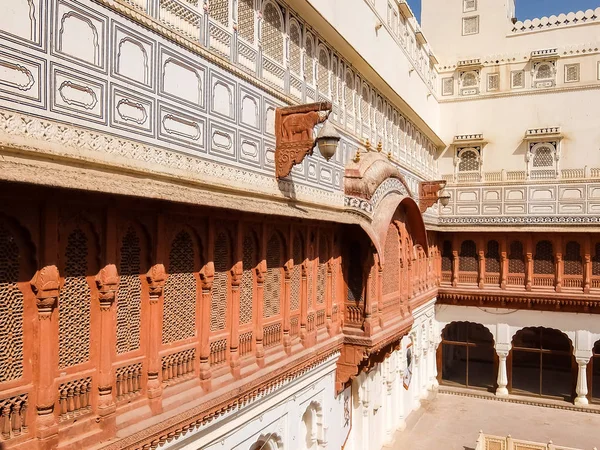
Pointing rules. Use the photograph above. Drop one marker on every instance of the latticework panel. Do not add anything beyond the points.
(355, 275)
(219, 11)
(469, 162)
(74, 304)
(447, 256)
(179, 316)
(516, 261)
(391, 268)
(543, 157)
(309, 56)
(334, 81)
(573, 264)
(596, 261)
(272, 36)
(543, 260)
(272, 287)
(373, 285)
(295, 49)
(310, 283)
(364, 105)
(246, 20)
(11, 309)
(296, 278)
(322, 269)
(222, 261)
(129, 295)
(492, 257)
(467, 261)
(544, 71)
(349, 93)
(323, 75)
(249, 252)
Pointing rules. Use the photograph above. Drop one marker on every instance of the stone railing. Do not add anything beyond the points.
(553, 22)
(521, 175)
(487, 441)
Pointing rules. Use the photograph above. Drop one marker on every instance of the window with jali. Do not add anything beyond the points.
(467, 261)
(219, 11)
(355, 274)
(349, 92)
(11, 308)
(129, 295)
(272, 34)
(543, 260)
(74, 303)
(296, 272)
(222, 261)
(469, 161)
(322, 269)
(323, 75)
(543, 157)
(179, 316)
(249, 262)
(246, 20)
(447, 256)
(273, 278)
(309, 56)
(492, 257)
(516, 261)
(391, 269)
(596, 261)
(573, 264)
(295, 48)
(364, 105)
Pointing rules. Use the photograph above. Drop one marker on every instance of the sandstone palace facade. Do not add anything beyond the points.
(184, 264)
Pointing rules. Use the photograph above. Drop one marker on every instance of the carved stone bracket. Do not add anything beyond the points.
(207, 275)
(46, 286)
(294, 134)
(261, 271)
(236, 275)
(107, 281)
(428, 193)
(156, 277)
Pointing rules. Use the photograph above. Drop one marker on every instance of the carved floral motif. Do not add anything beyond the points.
(46, 286)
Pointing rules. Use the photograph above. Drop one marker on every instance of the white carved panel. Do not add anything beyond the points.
(249, 149)
(471, 195)
(571, 208)
(182, 80)
(492, 209)
(21, 78)
(545, 193)
(514, 209)
(222, 98)
(593, 191)
(79, 34)
(571, 193)
(133, 57)
(270, 119)
(222, 141)
(514, 194)
(594, 208)
(270, 154)
(471, 210)
(132, 111)
(543, 208)
(312, 170)
(77, 95)
(185, 129)
(492, 195)
(21, 18)
(249, 113)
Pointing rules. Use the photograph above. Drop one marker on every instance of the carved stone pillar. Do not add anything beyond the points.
(156, 278)
(503, 269)
(287, 340)
(303, 303)
(559, 271)
(581, 389)
(528, 263)
(234, 338)
(501, 390)
(455, 268)
(46, 286)
(481, 278)
(207, 275)
(329, 297)
(261, 271)
(107, 281)
(587, 265)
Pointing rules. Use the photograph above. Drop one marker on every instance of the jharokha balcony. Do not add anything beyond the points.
(531, 270)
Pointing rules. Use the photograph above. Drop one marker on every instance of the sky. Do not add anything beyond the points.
(530, 9)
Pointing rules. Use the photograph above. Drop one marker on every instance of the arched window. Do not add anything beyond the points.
(469, 79)
(596, 261)
(334, 80)
(467, 356)
(245, 17)
(543, 260)
(543, 72)
(364, 105)
(543, 156)
(468, 257)
(322, 269)
(349, 93)
(130, 291)
(492, 257)
(355, 274)
(220, 286)
(573, 264)
(516, 261)
(295, 48)
(179, 316)
(323, 71)
(309, 58)
(11, 313)
(468, 160)
(447, 256)
(542, 363)
(298, 256)
(391, 268)
(272, 289)
(272, 32)
(219, 10)
(249, 262)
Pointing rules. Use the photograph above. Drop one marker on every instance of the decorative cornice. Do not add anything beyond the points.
(522, 220)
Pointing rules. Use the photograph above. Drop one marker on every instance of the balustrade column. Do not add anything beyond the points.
(46, 284)
(329, 296)
(207, 275)
(503, 264)
(528, 263)
(481, 280)
(156, 278)
(559, 272)
(287, 271)
(581, 389)
(587, 265)
(303, 303)
(454, 268)
(261, 271)
(501, 390)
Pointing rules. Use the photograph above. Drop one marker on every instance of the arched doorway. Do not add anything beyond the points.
(542, 363)
(594, 374)
(466, 356)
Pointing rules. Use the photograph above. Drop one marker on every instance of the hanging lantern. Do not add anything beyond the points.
(328, 140)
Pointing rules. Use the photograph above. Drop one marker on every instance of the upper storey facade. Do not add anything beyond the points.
(514, 101)
(185, 91)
